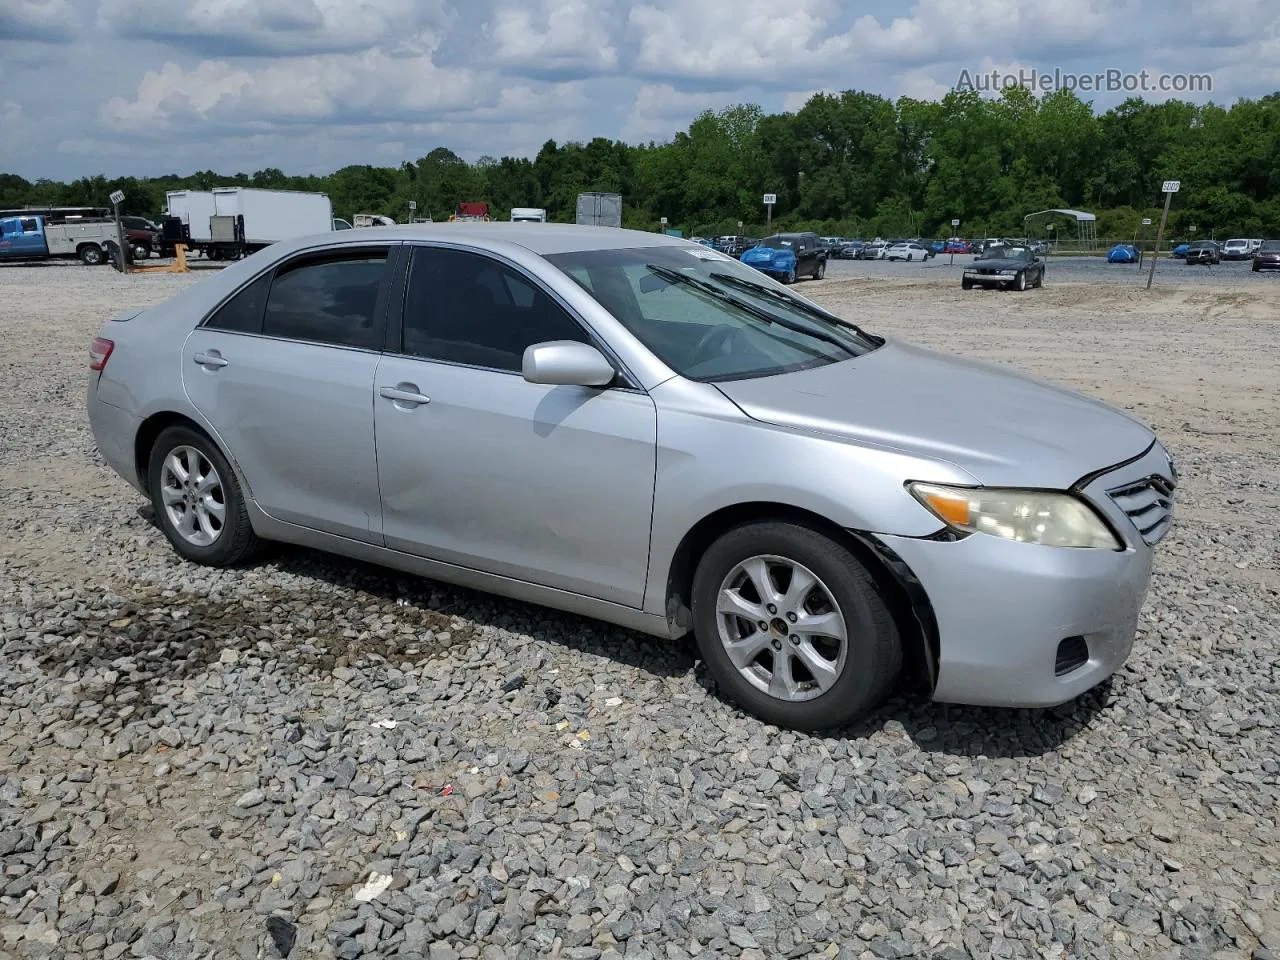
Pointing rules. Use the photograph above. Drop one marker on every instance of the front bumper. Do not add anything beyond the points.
(1003, 608)
(988, 279)
(1266, 264)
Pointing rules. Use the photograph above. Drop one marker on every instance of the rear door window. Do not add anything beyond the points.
(330, 299)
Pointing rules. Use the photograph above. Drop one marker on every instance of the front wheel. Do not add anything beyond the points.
(198, 500)
(1021, 282)
(821, 271)
(789, 277)
(793, 627)
(966, 284)
(141, 251)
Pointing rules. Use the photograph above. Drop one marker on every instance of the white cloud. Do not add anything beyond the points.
(660, 110)
(332, 87)
(551, 36)
(45, 21)
(249, 27)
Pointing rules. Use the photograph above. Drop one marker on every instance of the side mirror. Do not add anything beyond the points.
(567, 363)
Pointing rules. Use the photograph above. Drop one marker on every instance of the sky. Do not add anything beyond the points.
(146, 87)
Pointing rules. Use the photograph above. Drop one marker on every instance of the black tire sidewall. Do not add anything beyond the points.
(230, 547)
(91, 255)
(874, 652)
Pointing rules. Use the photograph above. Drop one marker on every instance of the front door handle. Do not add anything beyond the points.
(403, 393)
(213, 359)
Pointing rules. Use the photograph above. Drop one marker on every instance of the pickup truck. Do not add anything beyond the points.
(31, 238)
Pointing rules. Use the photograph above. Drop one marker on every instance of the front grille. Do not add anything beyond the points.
(1148, 503)
(1073, 653)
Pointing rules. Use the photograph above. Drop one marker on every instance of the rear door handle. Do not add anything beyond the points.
(403, 393)
(212, 359)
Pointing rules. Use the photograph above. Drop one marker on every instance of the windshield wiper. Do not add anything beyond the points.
(675, 276)
(791, 302)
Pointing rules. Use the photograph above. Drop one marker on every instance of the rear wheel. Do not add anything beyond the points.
(91, 254)
(198, 500)
(793, 627)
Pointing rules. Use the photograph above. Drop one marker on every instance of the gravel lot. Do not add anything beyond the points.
(317, 758)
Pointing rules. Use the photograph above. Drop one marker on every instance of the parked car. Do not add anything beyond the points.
(1205, 252)
(958, 246)
(144, 237)
(850, 250)
(788, 256)
(1123, 253)
(907, 252)
(641, 430)
(1236, 250)
(1180, 251)
(872, 251)
(1004, 268)
(1267, 256)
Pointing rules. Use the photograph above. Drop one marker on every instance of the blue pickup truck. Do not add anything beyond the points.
(32, 238)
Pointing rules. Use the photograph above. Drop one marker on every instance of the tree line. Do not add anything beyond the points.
(851, 164)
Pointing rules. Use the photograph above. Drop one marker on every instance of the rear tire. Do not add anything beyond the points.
(854, 665)
(91, 255)
(204, 513)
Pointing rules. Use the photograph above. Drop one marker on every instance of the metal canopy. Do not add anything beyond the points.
(1086, 224)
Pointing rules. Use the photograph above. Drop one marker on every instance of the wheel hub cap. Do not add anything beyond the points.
(193, 496)
(781, 627)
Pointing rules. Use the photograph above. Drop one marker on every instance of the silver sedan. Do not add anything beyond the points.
(643, 430)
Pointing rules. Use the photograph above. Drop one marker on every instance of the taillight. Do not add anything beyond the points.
(100, 352)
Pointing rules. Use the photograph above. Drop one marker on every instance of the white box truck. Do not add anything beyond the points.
(528, 215)
(226, 223)
(274, 215)
(193, 208)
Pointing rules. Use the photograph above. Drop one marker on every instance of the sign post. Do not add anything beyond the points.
(1169, 189)
(954, 224)
(117, 198)
(663, 221)
(413, 208)
(769, 200)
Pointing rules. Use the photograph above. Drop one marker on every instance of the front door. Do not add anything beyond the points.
(284, 372)
(480, 468)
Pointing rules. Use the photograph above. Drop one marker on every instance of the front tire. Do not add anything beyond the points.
(966, 284)
(821, 271)
(198, 501)
(141, 252)
(792, 626)
(1020, 282)
(789, 278)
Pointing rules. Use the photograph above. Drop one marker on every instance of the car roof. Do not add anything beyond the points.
(540, 238)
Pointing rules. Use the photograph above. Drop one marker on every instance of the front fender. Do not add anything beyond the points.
(712, 456)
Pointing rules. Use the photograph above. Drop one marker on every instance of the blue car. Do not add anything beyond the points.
(1180, 251)
(1122, 253)
(787, 256)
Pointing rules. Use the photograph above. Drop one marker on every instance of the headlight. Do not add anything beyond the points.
(1027, 516)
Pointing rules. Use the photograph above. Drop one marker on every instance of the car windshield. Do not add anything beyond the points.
(1006, 253)
(777, 243)
(710, 318)
(1271, 246)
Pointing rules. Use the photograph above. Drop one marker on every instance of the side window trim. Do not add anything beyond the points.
(395, 319)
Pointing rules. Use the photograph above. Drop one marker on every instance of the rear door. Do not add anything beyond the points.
(283, 370)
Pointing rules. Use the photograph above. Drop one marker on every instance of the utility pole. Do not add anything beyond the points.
(1170, 188)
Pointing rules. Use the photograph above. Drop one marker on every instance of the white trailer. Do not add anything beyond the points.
(274, 215)
(528, 215)
(600, 209)
(193, 208)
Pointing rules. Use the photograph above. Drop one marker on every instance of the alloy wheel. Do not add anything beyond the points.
(194, 500)
(781, 627)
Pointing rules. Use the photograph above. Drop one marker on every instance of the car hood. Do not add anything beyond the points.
(766, 253)
(1002, 428)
